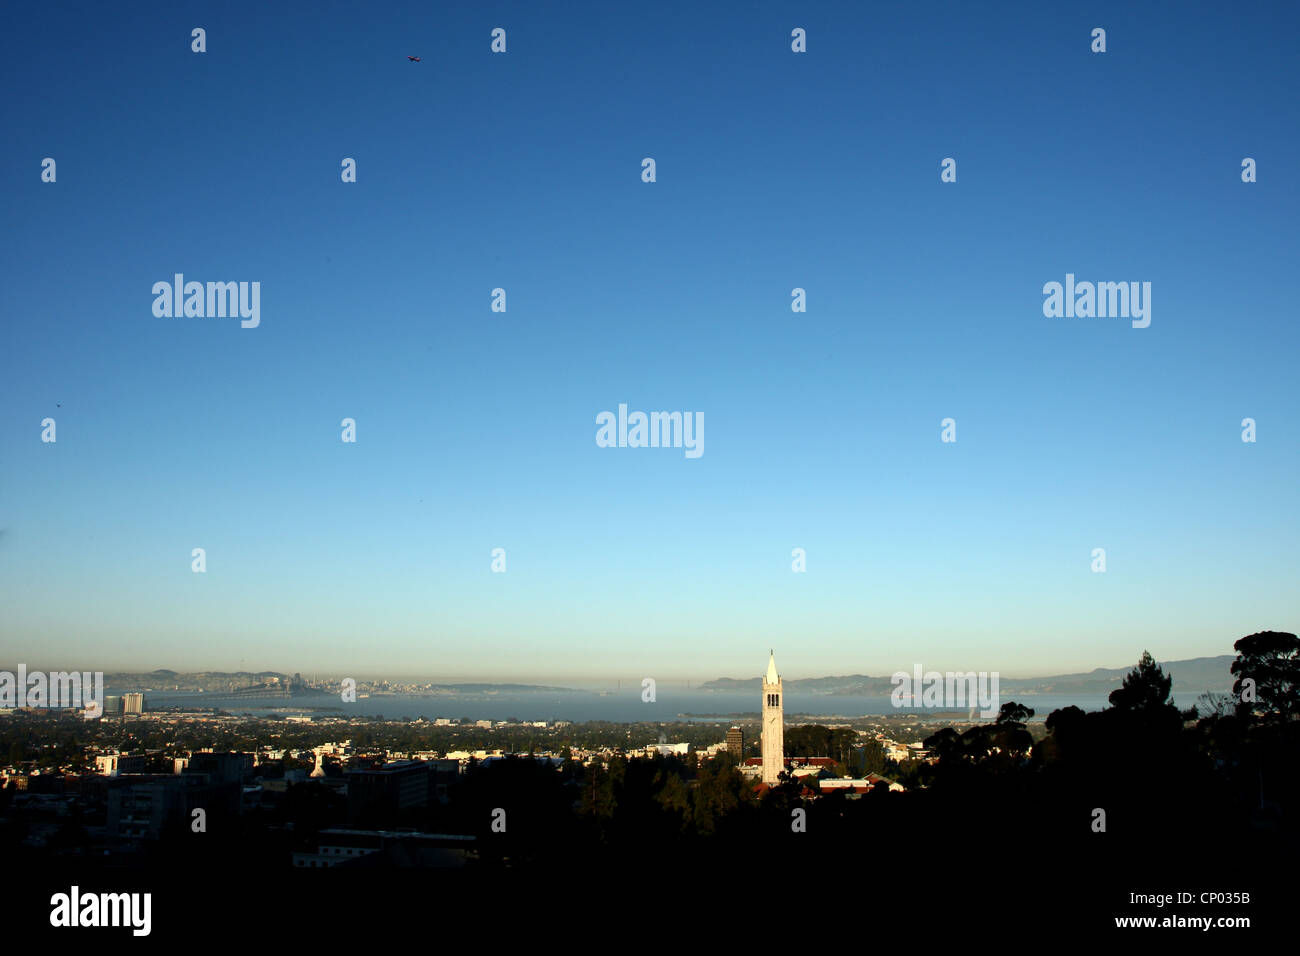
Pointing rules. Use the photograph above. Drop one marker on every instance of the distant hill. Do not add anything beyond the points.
(1194, 676)
(163, 680)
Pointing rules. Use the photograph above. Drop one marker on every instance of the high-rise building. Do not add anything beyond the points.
(133, 703)
(736, 743)
(112, 705)
(773, 726)
(380, 796)
(158, 804)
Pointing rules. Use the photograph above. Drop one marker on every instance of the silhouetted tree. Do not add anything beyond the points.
(1145, 689)
(1272, 660)
(1013, 713)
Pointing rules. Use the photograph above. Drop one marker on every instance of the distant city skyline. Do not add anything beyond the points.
(479, 430)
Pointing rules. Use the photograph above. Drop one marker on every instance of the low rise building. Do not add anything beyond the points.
(405, 848)
(858, 784)
(112, 765)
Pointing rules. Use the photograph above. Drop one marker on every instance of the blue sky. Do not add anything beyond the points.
(476, 429)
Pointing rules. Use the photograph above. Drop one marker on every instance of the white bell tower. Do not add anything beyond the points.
(773, 724)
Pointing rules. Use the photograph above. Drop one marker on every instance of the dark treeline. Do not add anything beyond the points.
(1217, 783)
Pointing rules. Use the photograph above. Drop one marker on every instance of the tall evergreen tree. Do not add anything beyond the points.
(1145, 690)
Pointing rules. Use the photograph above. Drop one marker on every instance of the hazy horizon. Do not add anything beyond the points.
(583, 682)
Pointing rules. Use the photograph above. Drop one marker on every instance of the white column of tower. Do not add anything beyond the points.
(773, 724)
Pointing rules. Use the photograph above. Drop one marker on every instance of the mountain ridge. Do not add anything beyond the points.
(1191, 674)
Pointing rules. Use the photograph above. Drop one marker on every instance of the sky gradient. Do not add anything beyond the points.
(476, 430)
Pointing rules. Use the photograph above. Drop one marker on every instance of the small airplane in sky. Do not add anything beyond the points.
(414, 59)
